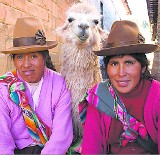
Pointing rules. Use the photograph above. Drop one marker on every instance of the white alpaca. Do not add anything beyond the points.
(80, 66)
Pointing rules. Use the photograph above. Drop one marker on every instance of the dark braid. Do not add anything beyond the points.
(46, 57)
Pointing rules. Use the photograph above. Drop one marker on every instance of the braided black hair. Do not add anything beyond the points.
(48, 60)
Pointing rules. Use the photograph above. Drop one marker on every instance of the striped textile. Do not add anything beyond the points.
(37, 129)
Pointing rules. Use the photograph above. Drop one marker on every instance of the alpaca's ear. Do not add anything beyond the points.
(104, 36)
(60, 30)
(103, 33)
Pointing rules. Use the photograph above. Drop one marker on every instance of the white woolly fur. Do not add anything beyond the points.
(80, 66)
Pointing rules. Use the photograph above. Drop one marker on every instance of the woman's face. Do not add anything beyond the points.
(124, 73)
(30, 66)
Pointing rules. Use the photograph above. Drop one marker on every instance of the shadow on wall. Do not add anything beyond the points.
(6, 64)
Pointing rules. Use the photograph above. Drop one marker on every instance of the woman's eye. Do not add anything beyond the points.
(34, 56)
(129, 62)
(113, 63)
(19, 57)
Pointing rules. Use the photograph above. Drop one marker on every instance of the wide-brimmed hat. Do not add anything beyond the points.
(29, 36)
(125, 38)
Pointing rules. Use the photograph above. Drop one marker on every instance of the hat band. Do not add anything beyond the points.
(25, 41)
(122, 43)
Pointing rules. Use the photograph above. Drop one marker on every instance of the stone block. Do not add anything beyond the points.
(11, 15)
(38, 11)
(2, 12)
(20, 4)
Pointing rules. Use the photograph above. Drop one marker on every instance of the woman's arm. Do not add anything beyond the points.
(62, 131)
(7, 144)
(93, 135)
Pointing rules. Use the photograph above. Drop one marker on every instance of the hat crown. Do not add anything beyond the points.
(29, 36)
(27, 27)
(123, 32)
(125, 38)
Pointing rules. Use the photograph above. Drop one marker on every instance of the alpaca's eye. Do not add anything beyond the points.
(70, 19)
(96, 22)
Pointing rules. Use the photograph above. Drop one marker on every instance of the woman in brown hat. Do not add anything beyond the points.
(122, 114)
(35, 104)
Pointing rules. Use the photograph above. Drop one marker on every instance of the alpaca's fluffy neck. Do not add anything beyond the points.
(80, 68)
(81, 57)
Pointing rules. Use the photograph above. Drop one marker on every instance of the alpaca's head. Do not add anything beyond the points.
(82, 26)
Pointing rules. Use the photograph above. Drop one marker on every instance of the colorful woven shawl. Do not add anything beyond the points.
(105, 98)
(39, 131)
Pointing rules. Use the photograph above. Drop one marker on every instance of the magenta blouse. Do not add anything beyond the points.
(97, 124)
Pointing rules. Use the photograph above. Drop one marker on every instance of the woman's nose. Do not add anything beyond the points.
(26, 62)
(121, 70)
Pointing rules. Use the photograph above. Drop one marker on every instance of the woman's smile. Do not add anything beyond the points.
(30, 66)
(28, 72)
(124, 73)
(122, 83)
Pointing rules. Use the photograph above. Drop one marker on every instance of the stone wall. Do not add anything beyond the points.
(51, 12)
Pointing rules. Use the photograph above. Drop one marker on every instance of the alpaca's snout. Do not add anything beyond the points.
(83, 34)
(83, 26)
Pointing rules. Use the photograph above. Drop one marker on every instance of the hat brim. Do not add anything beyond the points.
(30, 49)
(135, 48)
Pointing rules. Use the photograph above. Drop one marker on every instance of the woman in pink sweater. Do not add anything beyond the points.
(122, 114)
(35, 105)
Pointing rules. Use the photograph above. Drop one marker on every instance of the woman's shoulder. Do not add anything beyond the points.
(155, 84)
(53, 74)
(3, 82)
(99, 84)
(4, 86)
(154, 89)
(54, 78)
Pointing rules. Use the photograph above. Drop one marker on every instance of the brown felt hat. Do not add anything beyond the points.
(125, 38)
(29, 37)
